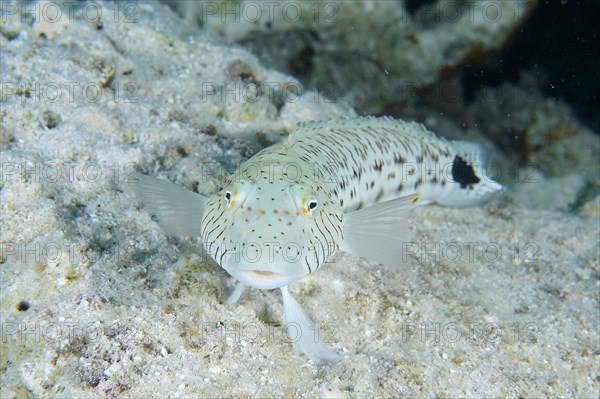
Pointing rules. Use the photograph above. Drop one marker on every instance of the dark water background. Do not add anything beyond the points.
(560, 41)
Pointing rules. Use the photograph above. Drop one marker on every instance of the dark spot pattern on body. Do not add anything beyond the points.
(463, 173)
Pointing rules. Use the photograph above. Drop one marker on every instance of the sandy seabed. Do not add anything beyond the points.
(498, 301)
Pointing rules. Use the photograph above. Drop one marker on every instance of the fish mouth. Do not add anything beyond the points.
(262, 274)
(263, 279)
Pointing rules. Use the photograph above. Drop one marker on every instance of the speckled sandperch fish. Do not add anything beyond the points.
(338, 185)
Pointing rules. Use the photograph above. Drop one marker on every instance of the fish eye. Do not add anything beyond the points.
(310, 206)
(305, 200)
(235, 194)
(229, 199)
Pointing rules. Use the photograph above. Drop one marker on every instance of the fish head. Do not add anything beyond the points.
(268, 234)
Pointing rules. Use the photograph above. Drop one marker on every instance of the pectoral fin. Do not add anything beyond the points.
(179, 211)
(379, 232)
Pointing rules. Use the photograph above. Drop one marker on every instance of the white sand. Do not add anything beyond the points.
(115, 308)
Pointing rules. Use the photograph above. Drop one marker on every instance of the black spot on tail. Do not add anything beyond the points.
(463, 173)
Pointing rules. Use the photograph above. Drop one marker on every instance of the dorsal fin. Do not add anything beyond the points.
(308, 128)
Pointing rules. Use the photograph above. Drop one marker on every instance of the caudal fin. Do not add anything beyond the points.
(471, 184)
